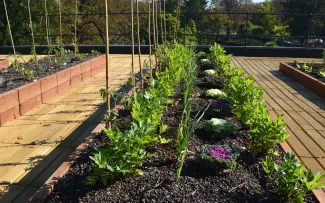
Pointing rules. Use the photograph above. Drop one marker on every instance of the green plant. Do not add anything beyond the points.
(95, 52)
(219, 127)
(293, 180)
(306, 68)
(81, 56)
(210, 72)
(265, 132)
(59, 62)
(321, 73)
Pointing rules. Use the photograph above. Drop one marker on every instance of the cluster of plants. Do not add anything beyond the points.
(127, 150)
(249, 106)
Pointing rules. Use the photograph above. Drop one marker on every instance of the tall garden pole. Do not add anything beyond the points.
(156, 7)
(177, 18)
(12, 40)
(32, 31)
(149, 38)
(60, 21)
(47, 29)
(108, 95)
(132, 41)
(154, 30)
(165, 25)
(75, 28)
(139, 48)
(161, 23)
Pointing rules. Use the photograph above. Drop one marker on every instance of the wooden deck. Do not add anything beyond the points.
(303, 110)
(37, 143)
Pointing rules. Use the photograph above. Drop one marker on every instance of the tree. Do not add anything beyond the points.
(268, 22)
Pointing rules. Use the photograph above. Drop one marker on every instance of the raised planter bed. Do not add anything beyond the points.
(307, 80)
(4, 63)
(247, 182)
(20, 100)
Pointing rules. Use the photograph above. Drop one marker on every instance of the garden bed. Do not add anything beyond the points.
(21, 93)
(311, 80)
(247, 182)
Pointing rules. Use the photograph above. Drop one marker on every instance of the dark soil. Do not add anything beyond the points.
(316, 68)
(10, 78)
(246, 183)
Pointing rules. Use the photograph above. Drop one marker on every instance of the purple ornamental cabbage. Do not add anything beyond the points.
(219, 152)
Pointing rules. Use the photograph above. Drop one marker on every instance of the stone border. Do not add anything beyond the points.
(315, 85)
(48, 186)
(4, 63)
(16, 102)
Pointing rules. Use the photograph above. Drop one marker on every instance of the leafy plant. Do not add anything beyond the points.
(217, 157)
(219, 127)
(293, 180)
(321, 73)
(306, 68)
(210, 72)
(215, 93)
(95, 52)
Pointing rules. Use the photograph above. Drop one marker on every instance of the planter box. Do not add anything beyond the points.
(48, 186)
(315, 85)
(27, 97)
(4, 63)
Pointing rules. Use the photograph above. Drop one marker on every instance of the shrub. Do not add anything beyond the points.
(217, 157)
(215, 93)
(293, 180)
(219, 127)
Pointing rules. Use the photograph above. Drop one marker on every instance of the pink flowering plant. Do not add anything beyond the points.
(217, 157)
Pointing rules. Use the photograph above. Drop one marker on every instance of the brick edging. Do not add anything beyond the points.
(315, 85)
(48, 186)
(4, 63)
(319, 194)
(16, 102)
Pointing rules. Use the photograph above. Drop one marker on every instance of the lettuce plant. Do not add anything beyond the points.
(321, 73)
(215, 93)
(292, 180)
(217, 157)
(219, 127)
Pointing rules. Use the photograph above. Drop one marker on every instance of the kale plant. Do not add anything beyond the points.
(219, 127)
(217, 157)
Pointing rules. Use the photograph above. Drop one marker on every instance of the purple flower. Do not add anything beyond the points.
(219, 152)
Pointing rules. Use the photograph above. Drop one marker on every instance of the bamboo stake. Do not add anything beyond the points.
(149, 38)
(12, 40)
(108, 99)
(47, 30)
(32, 32)
(177, 19)
(165, 25)
(153, 24)
(75, 29)
(161, 23)
(132, 39)
(139, 48)
(60, 20)
(157, 38)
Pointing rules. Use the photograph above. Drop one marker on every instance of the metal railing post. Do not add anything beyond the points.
(246, 29)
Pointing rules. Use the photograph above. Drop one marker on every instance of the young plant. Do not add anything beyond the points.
(306, 68)
(321, 73)
(95, 52)
(219, 108)
(217, 157)
(210, 72)
(293, 180)
(219, 127)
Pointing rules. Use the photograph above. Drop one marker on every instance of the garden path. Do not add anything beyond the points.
(34, 145)
(303, 110)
